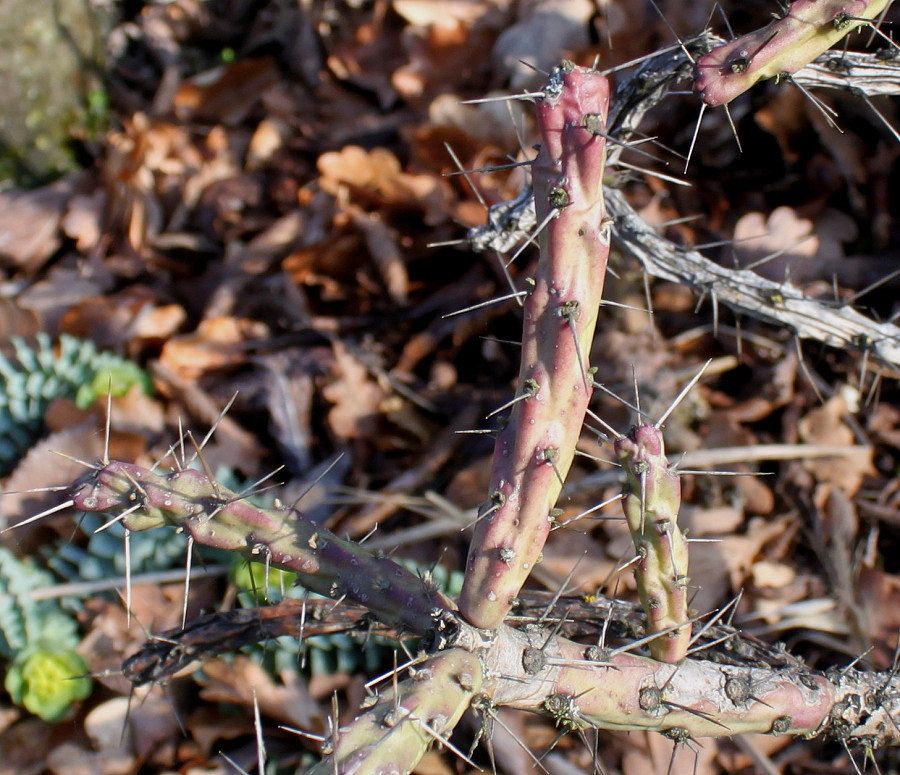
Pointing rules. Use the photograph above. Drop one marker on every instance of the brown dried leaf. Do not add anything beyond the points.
(826, 425)
(83, 221)
(784, 232)
(30, 220)
(383, 244)
(16, 320)
(355, 396)
(376, 178)
(124, 320)
(226, 94)
(217, 343)
(245, 683)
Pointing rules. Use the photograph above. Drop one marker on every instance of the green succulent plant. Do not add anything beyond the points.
(44, 673)
(34, 374)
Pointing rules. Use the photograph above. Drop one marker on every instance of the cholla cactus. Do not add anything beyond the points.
(651, 503)
(535, 450)
(473, 657)
(807, 29)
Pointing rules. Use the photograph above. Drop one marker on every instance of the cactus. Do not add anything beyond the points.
(535, 450)
(214, 516)
(669, 680)
(808, 28)
(651, 503)
(39, 374)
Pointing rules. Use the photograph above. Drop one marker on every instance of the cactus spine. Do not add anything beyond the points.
(535, 450)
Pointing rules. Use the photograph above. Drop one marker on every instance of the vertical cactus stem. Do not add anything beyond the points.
(213, 516)
(651, 503)
(534, 452)
(808, 29)
(392, 735)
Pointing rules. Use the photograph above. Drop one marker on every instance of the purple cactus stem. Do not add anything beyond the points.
(534, 452)
(213, 516)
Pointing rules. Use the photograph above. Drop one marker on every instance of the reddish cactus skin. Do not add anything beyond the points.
(809, 28)
(534, 452)
(214, 516)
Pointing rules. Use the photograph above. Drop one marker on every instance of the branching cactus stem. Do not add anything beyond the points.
(807, 29)
(392, 735)
(535, 450)
(651, 503)
(213, 516)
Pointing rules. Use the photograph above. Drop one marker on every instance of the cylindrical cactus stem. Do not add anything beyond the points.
(584, 687)
(214, 516)
(534, 452)
(651, 503)
(392, 736)
(807, 29)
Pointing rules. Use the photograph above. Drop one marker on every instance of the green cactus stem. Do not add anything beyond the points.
(214, 516)
(392, 735)
(651, 503)
(807, 29)
(534, 452)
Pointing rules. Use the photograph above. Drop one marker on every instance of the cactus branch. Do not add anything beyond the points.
(534, 452)
(213, 516)
(780, 48)
(651, 503)
(392, 735)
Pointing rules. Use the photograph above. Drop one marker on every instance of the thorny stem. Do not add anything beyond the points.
(213, 516)
(782, 47)
(651, 503)
(534, 452)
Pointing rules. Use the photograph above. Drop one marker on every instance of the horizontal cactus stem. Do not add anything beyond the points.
(216, 517)
(583, 687)
(694, 696)
(809, 28)
(534, 452)
(392, 735)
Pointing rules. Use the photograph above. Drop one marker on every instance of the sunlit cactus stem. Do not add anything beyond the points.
(392, 735)
(214, 516)
(651, 503)
(807, 29)
(534, 452)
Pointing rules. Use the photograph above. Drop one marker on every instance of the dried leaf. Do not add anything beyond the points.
(226, 94)
(245, 683)
(826, 425)
(217, 343)
(30, 220)
(356, 397)
(83, 221)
